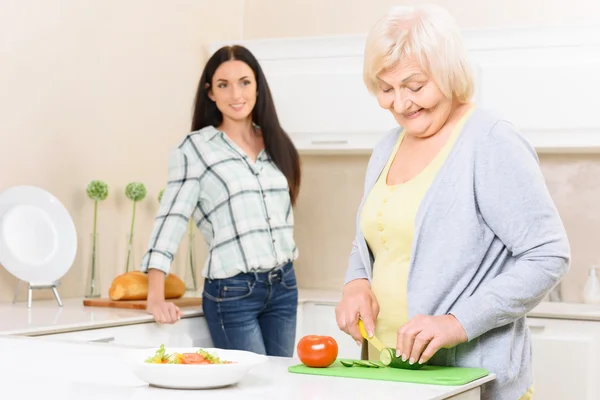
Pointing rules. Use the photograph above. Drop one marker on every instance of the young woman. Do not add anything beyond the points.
(238, 175)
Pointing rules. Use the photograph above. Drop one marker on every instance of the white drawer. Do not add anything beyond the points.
(565, 358)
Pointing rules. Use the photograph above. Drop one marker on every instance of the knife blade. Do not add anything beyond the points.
(373, 340)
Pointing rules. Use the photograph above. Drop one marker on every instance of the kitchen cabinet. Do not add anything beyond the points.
(318, 318)
(346, 119)
(566, 358)
(187, 332)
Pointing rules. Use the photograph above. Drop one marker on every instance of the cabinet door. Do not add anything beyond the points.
(565, 354)
(299, 328)
(319, 319)
(188, 332)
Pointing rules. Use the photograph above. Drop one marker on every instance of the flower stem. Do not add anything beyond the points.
(130, 238)
(93, 277)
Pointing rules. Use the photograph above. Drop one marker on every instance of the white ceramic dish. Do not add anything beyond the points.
(38, 240)
(180, 376)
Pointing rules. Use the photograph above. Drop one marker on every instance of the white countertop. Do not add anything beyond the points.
(45, 316)
(74, 371)
(319, 296)
(576, 311)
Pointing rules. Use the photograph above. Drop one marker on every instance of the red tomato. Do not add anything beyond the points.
(317, 351)
(193, 358)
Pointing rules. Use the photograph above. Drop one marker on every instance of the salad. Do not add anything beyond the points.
(199, 357)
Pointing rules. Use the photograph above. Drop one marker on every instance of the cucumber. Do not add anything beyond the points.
(346, 363)
(389, 359)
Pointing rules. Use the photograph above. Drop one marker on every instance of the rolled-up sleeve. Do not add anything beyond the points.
(356, 268)
(177, 204)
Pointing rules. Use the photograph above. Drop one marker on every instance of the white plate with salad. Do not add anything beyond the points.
(192, 368)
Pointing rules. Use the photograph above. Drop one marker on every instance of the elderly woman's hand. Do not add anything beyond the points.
(357, 301)
(421, 337)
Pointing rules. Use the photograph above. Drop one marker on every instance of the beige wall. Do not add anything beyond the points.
(268, 18)
(96, 89)
(103, 89)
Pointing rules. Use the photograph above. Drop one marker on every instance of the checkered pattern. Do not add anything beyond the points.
(242, 208)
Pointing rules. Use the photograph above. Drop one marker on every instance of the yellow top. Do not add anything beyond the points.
(387, 222)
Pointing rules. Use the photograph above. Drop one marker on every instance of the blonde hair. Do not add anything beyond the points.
(428, 34)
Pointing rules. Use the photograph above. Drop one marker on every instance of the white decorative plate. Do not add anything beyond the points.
(38, 240)
(181, 376)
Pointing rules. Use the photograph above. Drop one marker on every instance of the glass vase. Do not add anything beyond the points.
(92, 287)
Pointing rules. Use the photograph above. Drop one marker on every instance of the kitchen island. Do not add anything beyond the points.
(35, 369)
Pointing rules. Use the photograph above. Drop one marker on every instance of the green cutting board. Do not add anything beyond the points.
(431, 375)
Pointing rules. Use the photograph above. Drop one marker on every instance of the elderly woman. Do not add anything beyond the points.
(457, 236)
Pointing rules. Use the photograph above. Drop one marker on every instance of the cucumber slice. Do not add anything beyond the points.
(364, 364)
(360, 363)
(375, 365)
(389, 359)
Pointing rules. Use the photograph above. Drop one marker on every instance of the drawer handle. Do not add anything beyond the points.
(103, 340)
(339, 141)
(536, 327)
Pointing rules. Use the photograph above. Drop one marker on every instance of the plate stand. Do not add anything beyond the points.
(38, 286)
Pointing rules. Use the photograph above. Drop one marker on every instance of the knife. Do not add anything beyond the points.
(373, 340)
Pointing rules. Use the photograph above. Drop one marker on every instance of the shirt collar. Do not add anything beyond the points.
(210, 132)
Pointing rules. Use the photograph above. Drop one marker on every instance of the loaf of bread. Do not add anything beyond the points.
(134, 286)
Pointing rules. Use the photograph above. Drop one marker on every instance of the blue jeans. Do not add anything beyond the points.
(253, 311)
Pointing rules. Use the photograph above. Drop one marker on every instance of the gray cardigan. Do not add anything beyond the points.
(489, 245)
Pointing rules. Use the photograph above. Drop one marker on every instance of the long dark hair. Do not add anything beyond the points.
(278, 144)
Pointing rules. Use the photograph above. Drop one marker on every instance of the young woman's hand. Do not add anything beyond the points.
(164, 312)
(357, 301)
(421, 337)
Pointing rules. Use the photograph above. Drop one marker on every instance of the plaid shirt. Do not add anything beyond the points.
(243, 209)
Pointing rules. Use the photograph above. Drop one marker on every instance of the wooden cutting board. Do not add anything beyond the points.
(139, 304)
